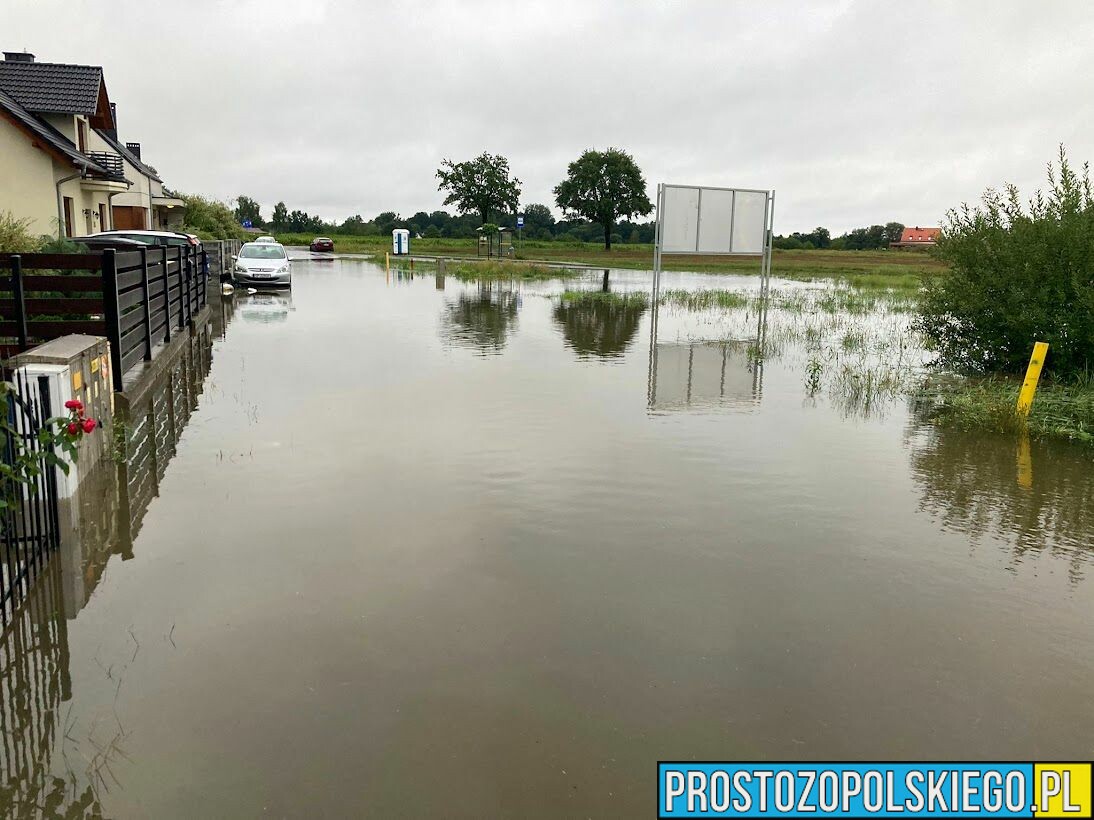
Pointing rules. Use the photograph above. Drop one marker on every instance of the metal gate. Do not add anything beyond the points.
(28, 518)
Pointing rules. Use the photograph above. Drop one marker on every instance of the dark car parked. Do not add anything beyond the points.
(118, 243)
(322, 243)
(168, 238)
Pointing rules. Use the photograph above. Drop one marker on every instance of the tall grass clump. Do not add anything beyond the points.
(1017, 274)
(15, 235)
(704, 299)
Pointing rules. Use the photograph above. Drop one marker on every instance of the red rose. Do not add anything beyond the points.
(73, 428)
(74, 404)
(89, 425)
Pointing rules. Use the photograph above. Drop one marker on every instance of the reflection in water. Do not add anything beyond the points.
(701, 374)
(38, 736)
(34, 686)
(1036, 497)
(266, 306)
(482, 319)
(599, 323)
(704, 374)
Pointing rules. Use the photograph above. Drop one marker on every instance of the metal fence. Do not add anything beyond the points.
(219, 253)
(28, 519)
(136, 299)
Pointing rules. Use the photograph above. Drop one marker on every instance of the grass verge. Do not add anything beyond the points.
(886, 269)
(1060, 411)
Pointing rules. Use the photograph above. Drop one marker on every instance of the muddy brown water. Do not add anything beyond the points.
(422, 547)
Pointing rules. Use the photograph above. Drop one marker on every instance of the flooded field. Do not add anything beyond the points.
(399, 545)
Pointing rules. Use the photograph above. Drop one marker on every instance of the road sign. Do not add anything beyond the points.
(247, 223)
(520, 221)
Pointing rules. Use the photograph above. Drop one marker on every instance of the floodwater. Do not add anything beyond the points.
(397, 545)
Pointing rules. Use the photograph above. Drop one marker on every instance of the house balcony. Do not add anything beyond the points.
(111, 162)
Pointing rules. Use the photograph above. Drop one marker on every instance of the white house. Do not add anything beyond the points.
(61, 164)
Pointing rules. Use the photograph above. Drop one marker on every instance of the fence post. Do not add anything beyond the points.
(166, 295)
(20, 302)
(45, 409)
(182, 289)
(189, 274)
(147, 306)
(203, 293)
(113, 316)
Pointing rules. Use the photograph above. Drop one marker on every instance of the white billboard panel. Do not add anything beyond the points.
(749, 221)
(713, 220)
(680, 221)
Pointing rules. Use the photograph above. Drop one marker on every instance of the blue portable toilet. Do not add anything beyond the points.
(400, 241)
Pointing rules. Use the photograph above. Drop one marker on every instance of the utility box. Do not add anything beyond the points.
(77, 367)
(400, 241)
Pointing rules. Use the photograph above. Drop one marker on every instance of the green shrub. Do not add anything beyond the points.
(210, 219)
(1017, 275)
(15, 237)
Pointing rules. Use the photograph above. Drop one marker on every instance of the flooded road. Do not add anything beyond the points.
(424, 547)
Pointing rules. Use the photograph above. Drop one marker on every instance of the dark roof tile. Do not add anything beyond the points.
(52, 88)
(47, 133)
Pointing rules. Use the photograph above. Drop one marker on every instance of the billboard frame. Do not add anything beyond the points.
(659, 233)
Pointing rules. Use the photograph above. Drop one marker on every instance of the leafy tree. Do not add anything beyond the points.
(603, 186)
(893, 231)
(481, 185)
(353, 225)
(538, 218)
(247, 209)
(1018, 274)
(280, 217)
(388, 221)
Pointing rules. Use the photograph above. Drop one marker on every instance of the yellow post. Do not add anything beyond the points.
(1033, 375)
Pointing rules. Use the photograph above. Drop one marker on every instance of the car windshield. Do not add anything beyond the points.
(262, 252)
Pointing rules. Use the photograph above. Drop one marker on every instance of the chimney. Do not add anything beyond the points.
(134, 148)
(18, 57)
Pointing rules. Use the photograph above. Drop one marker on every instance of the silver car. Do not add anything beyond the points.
(262, 263)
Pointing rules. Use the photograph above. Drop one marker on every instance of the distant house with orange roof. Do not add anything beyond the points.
(917, 238)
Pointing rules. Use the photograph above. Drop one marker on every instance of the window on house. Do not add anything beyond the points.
(81, 130)
(69, 226)
(103, 226)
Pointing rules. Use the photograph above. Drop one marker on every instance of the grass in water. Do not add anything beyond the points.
(492, 269)
(704, 299)
(635, 299)
(1061, 411)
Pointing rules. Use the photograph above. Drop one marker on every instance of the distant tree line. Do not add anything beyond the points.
(876, 237)
(539, 224)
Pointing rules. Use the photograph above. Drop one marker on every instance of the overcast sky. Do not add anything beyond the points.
(854, 112)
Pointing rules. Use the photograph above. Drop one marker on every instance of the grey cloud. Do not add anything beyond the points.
(855, 112)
